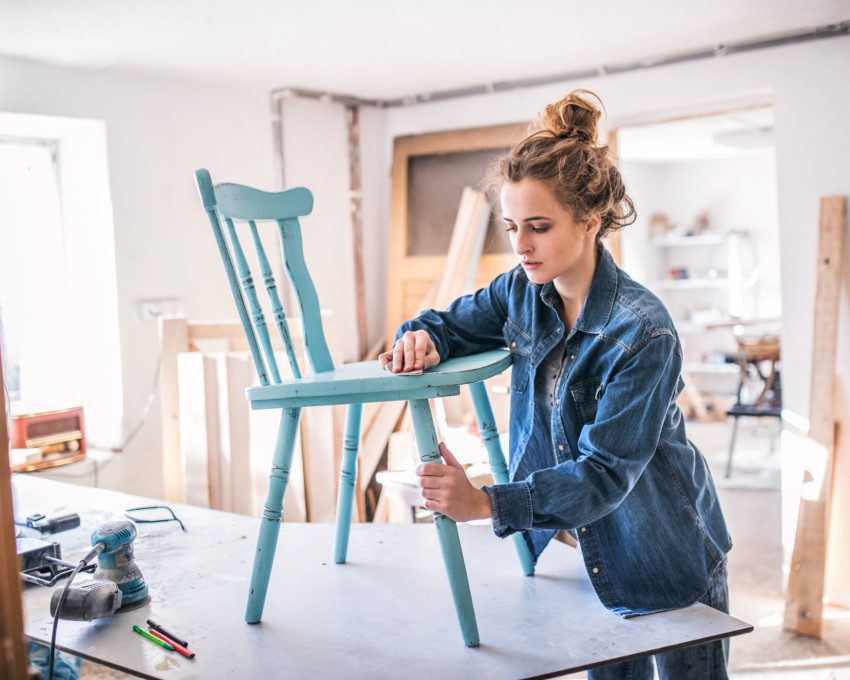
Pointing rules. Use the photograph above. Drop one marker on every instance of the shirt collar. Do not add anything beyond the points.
(599, 304)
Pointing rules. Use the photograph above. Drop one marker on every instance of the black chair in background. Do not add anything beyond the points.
(759, 387)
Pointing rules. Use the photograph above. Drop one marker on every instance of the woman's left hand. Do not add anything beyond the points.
(447, 490)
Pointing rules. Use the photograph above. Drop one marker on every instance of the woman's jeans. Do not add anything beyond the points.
(700, 662)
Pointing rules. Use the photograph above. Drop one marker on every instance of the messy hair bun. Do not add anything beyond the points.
(570, 118)
(561, 151)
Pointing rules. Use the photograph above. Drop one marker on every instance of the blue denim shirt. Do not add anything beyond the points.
(615, 467)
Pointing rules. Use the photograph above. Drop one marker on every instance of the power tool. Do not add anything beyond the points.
(117, 585)
(116, 562)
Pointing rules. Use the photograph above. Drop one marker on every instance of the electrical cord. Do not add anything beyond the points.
(109, 449)
(96, 550)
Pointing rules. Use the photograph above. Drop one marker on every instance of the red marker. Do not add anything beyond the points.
(177, 648)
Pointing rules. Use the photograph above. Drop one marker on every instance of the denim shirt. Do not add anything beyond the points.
(616, 467)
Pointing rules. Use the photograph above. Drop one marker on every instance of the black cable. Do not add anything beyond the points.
(109, 449)
(94, 551)
(142, 419)
(56, 617)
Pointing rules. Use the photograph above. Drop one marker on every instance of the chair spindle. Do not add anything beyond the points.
(277, 308)
(257, 317)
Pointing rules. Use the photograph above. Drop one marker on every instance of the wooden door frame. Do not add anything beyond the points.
(443, 142)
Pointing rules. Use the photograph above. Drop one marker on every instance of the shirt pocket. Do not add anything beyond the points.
(519, 344)
(586, 395)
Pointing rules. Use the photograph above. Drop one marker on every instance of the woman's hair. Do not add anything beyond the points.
(560, 151)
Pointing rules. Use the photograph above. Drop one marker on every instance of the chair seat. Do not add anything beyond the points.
(755, 411)
(366, 381)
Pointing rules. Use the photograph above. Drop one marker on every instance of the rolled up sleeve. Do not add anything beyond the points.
(614, 449)
(512, 510)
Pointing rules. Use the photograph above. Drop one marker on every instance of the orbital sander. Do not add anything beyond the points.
(116, 586)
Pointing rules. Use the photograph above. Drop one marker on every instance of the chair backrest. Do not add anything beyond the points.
(233, 202)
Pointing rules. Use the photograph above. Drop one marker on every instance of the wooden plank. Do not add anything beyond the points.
(317, 441)
(613, 242)
(804, 601)
(173, 339)
(176, 336)
(384, 417)
(235, 431)
(198, 389)
(461, 262)
(13, 651)
(459, 268)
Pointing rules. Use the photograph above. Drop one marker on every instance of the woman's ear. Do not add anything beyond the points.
(593, 223)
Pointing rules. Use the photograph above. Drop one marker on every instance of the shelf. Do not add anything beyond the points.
(697, 327)
(713, 369)
(684, 241)
(675, 284)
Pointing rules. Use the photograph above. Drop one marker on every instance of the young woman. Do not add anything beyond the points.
(597, 443)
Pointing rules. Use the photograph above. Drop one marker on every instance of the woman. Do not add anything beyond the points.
(598, 445)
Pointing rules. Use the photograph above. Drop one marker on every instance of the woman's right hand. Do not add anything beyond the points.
(413, 351)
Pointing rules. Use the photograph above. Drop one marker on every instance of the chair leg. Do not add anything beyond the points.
(270, 522)
(732, 447)
(347, 480)
(490, 434)
(426, 441)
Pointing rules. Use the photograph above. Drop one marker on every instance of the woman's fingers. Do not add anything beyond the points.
(447, 455)
(421, 343)
(413, 351)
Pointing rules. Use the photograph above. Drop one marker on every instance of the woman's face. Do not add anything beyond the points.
(549, 242)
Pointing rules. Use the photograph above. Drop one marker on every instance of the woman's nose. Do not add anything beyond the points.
(521, 243)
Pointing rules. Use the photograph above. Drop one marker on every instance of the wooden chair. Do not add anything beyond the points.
(351, 384)
(752, 353)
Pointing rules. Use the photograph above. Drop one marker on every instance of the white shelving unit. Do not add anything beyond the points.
(708, 294)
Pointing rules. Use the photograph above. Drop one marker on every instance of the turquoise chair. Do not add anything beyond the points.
(351, 384)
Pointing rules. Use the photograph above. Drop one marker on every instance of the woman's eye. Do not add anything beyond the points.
(510, 227)
(540, 230)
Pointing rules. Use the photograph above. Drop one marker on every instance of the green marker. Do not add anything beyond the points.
(152, 638)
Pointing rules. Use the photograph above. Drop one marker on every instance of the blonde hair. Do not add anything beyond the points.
(561, 151)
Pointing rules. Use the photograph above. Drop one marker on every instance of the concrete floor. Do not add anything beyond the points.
(751, 502)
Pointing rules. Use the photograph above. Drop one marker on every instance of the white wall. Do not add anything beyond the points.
(808, 86)
(158, 131)
(315, 147)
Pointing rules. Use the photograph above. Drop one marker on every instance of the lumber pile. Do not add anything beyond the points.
(461, 265)
(216, 451)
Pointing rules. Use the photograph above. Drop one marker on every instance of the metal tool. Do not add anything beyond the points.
(115, 563)
(53, 525)
(87, 601)
(117, 584)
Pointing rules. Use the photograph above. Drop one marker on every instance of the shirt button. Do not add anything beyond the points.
(583, 530)
(559, 330)
(595, 570)
(558, 400)
(572, 357)
(513, 344)
(560, 447)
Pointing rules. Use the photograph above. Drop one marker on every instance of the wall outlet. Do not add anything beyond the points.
(156, 307)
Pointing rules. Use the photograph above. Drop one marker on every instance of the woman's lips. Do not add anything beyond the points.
(531, 266)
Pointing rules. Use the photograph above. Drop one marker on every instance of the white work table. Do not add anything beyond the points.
(387, 613)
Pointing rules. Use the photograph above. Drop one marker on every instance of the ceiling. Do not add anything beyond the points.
(384, 48)
(729, 135)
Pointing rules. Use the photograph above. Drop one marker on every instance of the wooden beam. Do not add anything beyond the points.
(355, 193)
(13, 652)
(804, 601)
(173, 339)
